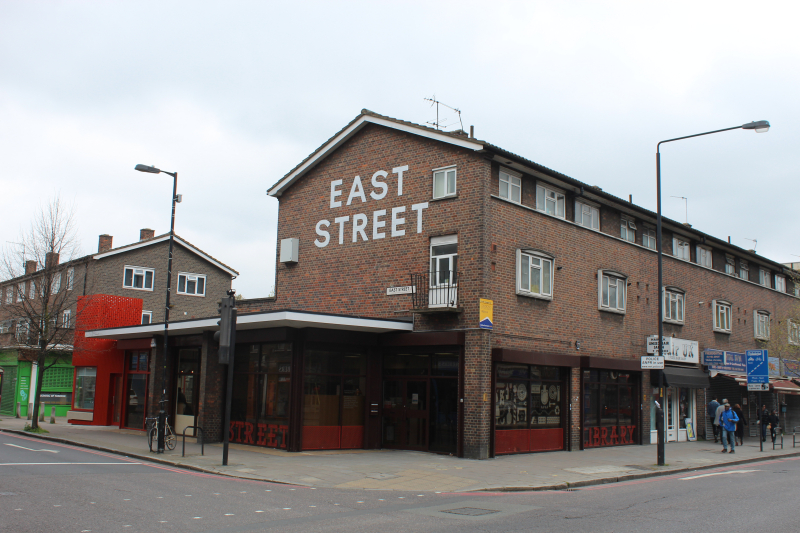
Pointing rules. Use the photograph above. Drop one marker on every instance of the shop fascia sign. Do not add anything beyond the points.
(674, 349)
(389, 220)
(724, 361)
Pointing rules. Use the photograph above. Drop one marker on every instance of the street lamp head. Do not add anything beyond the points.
(145, 168)
(761, 126)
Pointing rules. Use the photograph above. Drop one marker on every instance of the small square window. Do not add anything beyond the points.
(138, 278)
(192, 284)
(444, 182)
(147, 317)
(550, 201)
(510, 186)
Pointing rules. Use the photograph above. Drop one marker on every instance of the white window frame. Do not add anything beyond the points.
(23, 329)
(672, 294)
(627, 229)
(149, 315)
(725, 308)
(605, 279)
(546, 196)
(188, 276)
(55, 284)
(744, 270)
(730, 265)
(763, 278)
(452, 259)
(5, 327)
(793, 330)
(780, 283)
(513, 183)
(444, 172)
(70, 278)
(32, 290)
(66, 318)
(761, 321)
(648, 236)
(584, 209)
(545, 268)
(10, 294)
(681, 245)
(20, 291)
(144, 271)
(704, 257)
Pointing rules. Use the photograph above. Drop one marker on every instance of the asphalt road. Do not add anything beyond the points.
(48, 487)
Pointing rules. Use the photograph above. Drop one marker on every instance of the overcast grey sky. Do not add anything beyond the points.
(232, 95)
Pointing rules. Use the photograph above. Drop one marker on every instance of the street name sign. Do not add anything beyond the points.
(652, 362)
(390, 291)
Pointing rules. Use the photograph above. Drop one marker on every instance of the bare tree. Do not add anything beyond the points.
(42, 306)
(784, 337)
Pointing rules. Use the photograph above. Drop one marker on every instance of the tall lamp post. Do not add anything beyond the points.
(162, 414)
(760, 126)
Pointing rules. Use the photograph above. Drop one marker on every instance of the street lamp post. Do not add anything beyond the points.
(760, 126)
(162, 414)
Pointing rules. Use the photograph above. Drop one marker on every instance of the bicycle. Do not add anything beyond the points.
(170, 439)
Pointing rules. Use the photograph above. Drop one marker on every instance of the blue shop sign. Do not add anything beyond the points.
(724, 361)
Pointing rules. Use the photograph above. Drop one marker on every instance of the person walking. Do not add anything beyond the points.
(764, 420)
(740, 426)
(711, 411)
(727, 421)
(774, 423)
(717, 413)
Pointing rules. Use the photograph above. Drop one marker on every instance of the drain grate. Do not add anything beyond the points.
(470, 511)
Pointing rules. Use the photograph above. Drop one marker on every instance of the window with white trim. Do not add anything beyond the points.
(780, 283)
(649, 239)
(797, 290)
(444, 182)
(704, 257)
(674, 305)
(722, 316)
(32, 290)
(627, 229)
(761, 325)
(147, 317)
(192, 284)
(612, 289)
(730, 265)
(680, 249)
(794, 332)
(511, 186)
(70, 278)
(587, 215)
(66, 318)
(534, 274)
(550, 201)
(140, 278)
(763, 277)
(22, 332)
(20, 292)
(5, 327)
(55, 285)
(444, 261)
(744, 270)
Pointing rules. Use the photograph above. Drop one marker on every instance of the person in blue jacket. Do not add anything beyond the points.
(727, 421)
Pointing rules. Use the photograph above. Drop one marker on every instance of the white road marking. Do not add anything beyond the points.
(312, 505)
(719, 474)
(228, 514)
(38, 464)
(197, 517)
(259, 511)
(29, 449)
(287, 508)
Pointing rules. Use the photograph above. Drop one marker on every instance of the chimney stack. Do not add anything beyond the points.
(51, 259)
(30, 267)
(146, 234)
(104, 244)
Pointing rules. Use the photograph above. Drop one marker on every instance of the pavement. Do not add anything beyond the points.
(417, 471)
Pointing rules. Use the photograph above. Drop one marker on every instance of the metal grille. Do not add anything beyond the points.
(471, 511)
(9, 390)
(435, 289)
(57, 378)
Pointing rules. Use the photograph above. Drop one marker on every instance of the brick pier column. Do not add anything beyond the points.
(477, 394)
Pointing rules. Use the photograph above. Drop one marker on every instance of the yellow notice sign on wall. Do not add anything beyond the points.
(487, 314)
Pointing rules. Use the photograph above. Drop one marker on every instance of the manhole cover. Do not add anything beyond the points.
(470, 511)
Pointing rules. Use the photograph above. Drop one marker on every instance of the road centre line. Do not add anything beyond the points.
(29, 449)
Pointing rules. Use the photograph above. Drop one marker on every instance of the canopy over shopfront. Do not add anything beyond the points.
(693, 378)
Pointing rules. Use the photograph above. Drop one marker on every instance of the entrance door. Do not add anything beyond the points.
(116, 399)
(405, 414)
(671, 415)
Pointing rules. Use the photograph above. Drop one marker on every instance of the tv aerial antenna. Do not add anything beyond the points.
(685, 206)
(437, 124)
(755, 242)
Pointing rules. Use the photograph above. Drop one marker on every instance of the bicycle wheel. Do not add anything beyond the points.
(152, 436)
(170, 439)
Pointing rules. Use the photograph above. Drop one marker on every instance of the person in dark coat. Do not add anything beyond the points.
(711, 411)
(774, 421)
(764, 420)
(742, 423)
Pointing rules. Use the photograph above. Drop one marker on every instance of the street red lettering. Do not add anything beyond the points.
(631, 432)
(271, 436)
(623, 434)
(262, 435)
(596, 437)
(248, 433)
(603, 437)
(614, 436)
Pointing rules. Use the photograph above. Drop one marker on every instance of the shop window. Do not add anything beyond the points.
(609, 414)
(534, 274)
(444, 182)
(612, 289)
(85, 382)
(528, 405)
(761, 325)
(136, 389)
(550, 201)
(587, 215)
(138, 278)
(673, 305)
(510, 186)
(722, 316)
(192, 284)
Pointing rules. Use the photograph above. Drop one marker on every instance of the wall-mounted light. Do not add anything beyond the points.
(577, 345)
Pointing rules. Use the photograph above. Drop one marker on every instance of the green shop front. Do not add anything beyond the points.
(18, 385)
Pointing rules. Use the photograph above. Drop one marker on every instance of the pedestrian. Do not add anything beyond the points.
(711, 411)
(764, 420)
(718, 412)
(774, 424)
(740, 426)
(727, 421)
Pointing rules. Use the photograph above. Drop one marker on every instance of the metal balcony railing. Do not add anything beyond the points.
(435, 289)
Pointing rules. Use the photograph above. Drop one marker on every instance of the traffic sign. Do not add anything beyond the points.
(757, 368)
(652, 362)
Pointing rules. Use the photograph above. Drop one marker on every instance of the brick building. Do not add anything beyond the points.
(86, 385)
(391, 234)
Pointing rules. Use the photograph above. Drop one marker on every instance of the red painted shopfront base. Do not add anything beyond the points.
(528, 440)
(333, 437)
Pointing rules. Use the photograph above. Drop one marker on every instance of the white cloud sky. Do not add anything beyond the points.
(232, 95)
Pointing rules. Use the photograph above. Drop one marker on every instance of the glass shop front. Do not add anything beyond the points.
(610, 407)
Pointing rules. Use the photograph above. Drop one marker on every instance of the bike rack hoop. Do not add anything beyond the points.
(202, 440)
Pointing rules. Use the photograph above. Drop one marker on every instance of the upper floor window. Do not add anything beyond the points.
(70, 278)
(444, 182)
(147, 317)
(704, 257)
(138, 278)
(612, 288)
(444, 260)
(763, 277)
(780, 283)
(55, 285)
(22, 332)
(510, 186)
(587, 215)
(673, 305)
(20, 292)
(66, 318)
(534, 274)
(550, 201)
(9, 295)
(649, 239)
(680, 248)
(744, 270)
(32, 290)
(194, 284)
(722, 316)
(794, 332)
(730, 265)
(761, 325)
(627, 229)
(5, 327)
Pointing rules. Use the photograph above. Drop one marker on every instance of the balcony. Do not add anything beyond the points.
(435, 292)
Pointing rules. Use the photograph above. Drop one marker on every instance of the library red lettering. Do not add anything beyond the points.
(609, 436)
